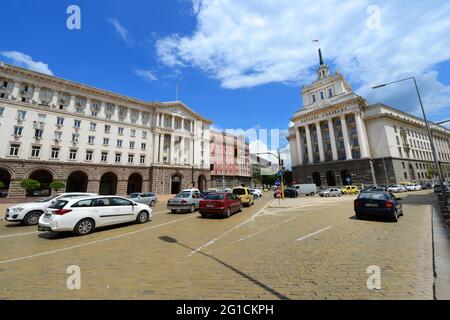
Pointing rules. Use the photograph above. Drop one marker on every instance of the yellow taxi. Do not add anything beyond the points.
(244, 195)
(350, 190)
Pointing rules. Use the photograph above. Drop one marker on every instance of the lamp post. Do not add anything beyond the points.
(430, 135)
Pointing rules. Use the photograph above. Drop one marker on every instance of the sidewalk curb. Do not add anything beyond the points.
(441, 255)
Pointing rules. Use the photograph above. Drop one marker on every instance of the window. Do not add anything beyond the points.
(18, 131)
(89, 155)
(132, 144)
(133, 133)
(104, 157)
(314, 98)
(75, 137)
(55, 153)
(73, 154)
(38, 133)
(144, 135)
(143, 146)
(35, 152)
(21, 115)
(58, 135)
(330, 93)
(93, 126)
(60, 121)
(77, 124)
(142, 161)
(105, 141)
(119, 143)
(119, 202)
(41, 118)
(322, 97)
(2, 109)
(107, 129)
(82, 204)
(91, 139)
(120, 131)
(14, 150)
(398, 140)
(403, 165)
(118, 157)
(130, 158)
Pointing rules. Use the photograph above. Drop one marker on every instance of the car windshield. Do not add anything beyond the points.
(47, 199)
(59, 204)
(373, 196)
(215, 196)
(134, 195)
(184, 195)
(239, 192)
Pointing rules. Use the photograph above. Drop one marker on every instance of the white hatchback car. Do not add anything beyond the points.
(83, 215)
(29, 213)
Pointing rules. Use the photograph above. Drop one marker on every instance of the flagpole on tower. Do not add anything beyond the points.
(177, 89)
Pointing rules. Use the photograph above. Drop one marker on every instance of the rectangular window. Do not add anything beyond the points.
(89, 155)
(14, 150)
(91, 139)
(73, 154)
(38, 133)
(107, 129)
(21, 115)
(55, 153)
(2, 109)
(314, 98)
(105, 141)
(330, 93)
(143, 146)
(142, 161)
(75, 138)
(18, 131)
(131, 144)
(41, 118)
(60, 121)
(58, 135)
(133, 133)
(118, 157)
(120, 131)
(119, 143)
(77, 124)
(130, 158)
(93, 126)
(35, 152)
(104, 157)
(144, 135)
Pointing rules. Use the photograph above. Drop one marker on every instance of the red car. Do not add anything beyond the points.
(222, 203)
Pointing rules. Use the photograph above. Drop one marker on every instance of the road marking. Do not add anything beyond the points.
(229, 231)
(92, 242)
(257, 233)
(18, 234)
(314, 233)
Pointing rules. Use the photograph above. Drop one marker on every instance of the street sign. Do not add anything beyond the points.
(277, 183)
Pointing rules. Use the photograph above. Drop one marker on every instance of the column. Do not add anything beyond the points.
(320, 142)
(298, 140)
(54, 100)
(173, 122)
(309, 144)
(15, 90)
(162, 119)
(172, 148)
(155, 148)
(161, 148)
(182, 124)
(361, 136)
(182, 151)
(191, 152)
(348, 150)
(71, 105)
(35, 98)
(332, 139)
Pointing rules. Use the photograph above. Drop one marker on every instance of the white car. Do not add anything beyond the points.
(29, 213)
(394, 189)
(413, 187)
(82, 215)
(257, 193)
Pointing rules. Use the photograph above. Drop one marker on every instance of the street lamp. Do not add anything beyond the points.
(430, 135)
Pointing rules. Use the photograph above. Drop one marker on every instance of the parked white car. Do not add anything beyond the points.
(29, 213)
(394, 189)
(257, 193)
(82, 215)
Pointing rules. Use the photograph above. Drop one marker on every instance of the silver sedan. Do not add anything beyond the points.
(148, 198)
(331, 192)
(185, 201)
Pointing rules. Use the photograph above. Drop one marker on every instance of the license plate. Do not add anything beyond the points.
(372, 205)
(210, 206)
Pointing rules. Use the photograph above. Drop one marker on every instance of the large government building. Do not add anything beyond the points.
(94, 140)
(337, 138)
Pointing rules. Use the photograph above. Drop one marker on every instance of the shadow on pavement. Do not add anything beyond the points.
(244, 275)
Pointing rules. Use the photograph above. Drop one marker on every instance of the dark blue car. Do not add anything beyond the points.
(380, 204)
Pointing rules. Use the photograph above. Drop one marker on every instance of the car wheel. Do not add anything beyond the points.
(395, 216)
(142, 217)
(152, 203)
(192, 209)
(32, 218)
(228, 213)
(84, 227)
(327, 195)
(242, 208)
(340, 195)
(312, 194)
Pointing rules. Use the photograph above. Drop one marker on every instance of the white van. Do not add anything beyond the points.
(306, 189)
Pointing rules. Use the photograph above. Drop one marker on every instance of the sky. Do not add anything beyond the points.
(239, 63)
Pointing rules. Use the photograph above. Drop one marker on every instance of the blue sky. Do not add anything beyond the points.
(239, 63)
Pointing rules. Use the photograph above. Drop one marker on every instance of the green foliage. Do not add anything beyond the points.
(30, 184)
(2, 185)
(57, 185)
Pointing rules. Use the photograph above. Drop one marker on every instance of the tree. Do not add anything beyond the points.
(431, 173)
(57, 185)
(30, 184)
(2, 185)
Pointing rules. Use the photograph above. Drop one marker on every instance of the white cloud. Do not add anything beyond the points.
(121, 31)
(255, 42)
(24, 60)
(146, 74)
